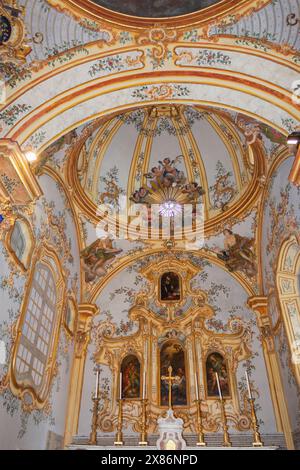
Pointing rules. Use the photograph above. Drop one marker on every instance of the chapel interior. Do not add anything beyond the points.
(149, 224)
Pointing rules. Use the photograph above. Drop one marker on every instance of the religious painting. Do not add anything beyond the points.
(131, 377)
(170, 287)
(216, 363)
(172, 354)
(238, 253)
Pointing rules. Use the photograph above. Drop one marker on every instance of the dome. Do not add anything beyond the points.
(206, 159)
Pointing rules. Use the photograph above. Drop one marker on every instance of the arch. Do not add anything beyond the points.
(34, 354)
(130, 260)
(288, 290)
(52, 115)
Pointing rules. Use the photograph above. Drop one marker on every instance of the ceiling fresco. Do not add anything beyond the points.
(124, 157)
(155, 8)
(206, 157)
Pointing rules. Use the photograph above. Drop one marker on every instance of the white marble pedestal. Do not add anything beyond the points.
(170, 433)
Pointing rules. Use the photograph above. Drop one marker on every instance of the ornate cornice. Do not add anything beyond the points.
(17, 182)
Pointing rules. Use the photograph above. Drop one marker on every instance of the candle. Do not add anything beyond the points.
(219, 388)
(196, 385)
(248, 385)
(97, 384)
(144, 386)
(120, 388)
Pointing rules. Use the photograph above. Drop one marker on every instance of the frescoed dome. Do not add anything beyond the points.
(169, 153)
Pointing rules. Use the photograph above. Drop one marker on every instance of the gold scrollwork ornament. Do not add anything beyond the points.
(13, 47)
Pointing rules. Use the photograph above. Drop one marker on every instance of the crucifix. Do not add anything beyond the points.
(170, 380)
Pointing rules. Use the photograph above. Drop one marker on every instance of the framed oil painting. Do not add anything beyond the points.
(131, 377)
(172, 354)
(170, 287)
(215, 362)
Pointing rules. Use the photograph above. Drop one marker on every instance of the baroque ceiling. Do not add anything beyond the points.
(127, 156)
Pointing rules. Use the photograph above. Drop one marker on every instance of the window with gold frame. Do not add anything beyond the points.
(288, 280)
(34, 354)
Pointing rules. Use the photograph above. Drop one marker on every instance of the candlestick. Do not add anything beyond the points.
(226, 439)
(196, 385)
(97, 384)
(248, 385)
(119, 436)
(144, 386)
(143, 441)
(93, 435)
(256, 434)
(201, 442)
(120, 387)
(219, 388)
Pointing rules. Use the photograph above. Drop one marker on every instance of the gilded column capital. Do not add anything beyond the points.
(259, 304)
(86, 312)
(14, 47)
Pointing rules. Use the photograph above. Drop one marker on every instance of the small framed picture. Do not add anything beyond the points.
(70, 319)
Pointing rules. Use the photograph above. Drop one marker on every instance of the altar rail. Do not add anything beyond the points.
(212, 440)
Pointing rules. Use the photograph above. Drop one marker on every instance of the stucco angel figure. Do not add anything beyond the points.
(96, 257)
(238, 253)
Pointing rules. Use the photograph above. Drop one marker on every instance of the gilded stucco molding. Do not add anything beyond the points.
(13, 47)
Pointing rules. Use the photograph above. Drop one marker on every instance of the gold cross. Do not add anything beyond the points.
(169, 379)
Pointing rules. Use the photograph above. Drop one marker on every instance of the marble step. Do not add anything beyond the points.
(212, 440)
